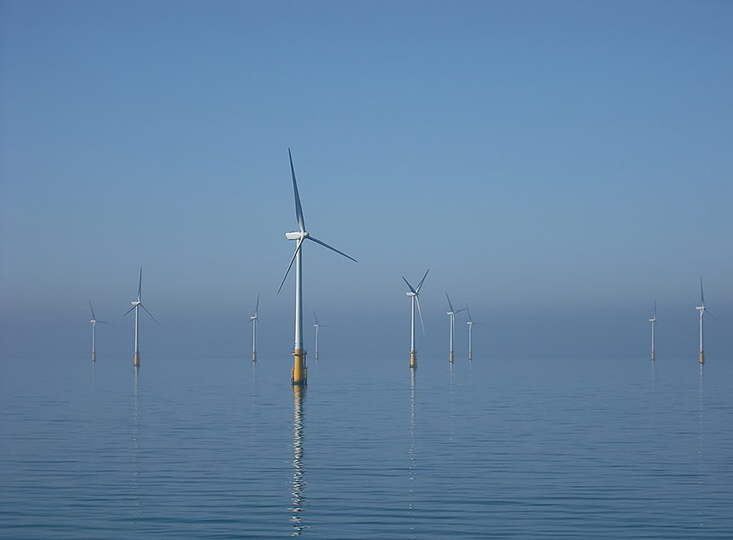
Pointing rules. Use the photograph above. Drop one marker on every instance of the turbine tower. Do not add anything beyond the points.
(653, 320)
(136, 304)
(414, 294)
(253, 319)
(94, 322)
(299, 373)
(317, 326)
(452, 327)
(470, 324)
(702, 309)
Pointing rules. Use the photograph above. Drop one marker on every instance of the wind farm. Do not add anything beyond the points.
(559, 167)
(299, 371)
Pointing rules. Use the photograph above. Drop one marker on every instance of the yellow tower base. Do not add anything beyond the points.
(413, 359)
(450, 357)
(653, 356)
(254, 356)
(299, 373)
(702, 357)
(136, 360)
(94, 357)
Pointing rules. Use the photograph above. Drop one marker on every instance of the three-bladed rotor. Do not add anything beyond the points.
(415, 292)
(301, 235)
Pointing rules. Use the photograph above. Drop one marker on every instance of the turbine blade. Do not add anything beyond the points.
(128, 311)
(419, 312)
(409, 286)
(151, 315)
(702, 296)
(297, 248)
(469, 314)
(419, 285)
(298, 207)
(317, 241)
(90, 307)
(140, 285)
(449, 303)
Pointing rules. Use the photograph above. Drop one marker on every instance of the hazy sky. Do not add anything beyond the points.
(557, 165)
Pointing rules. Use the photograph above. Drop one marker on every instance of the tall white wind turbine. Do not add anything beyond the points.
(136, 304)
(254, 320)
(653, 320)
(702, 309)
(414, 294)
(452, 327)
(470, 324)
(299, 373)
(94, 322)
(317, 327)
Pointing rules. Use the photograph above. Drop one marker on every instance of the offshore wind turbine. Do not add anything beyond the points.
(452, 327)
(414, 294)
(702, 309)
(317, 326)
(94, 322)
(470, 324)
(653, 320)
(136, 304)
(253, 320)
(299, 373)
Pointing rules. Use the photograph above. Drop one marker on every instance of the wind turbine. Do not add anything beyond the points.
(253, 319)
(94, 322)
(702, 309)
(653, 320)
(135, 305)
(317, 326)
(299, 373)
(470, 324)
(452, 326)
(414, 294)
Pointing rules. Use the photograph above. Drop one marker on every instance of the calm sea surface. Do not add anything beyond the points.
(221, 448)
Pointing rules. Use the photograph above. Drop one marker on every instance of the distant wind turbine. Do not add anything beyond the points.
(702, 309)
(94, 322)
(254, 320)
(135, 305)
(452, 327)
(653, 320)
(299, 373)
(414, 294)
(470, 324)
(317, 326)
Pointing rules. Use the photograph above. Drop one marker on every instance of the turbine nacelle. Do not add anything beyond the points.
(297, 235)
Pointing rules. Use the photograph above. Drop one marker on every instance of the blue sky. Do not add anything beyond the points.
(557, 165)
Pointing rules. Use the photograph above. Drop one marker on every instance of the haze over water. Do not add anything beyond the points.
(222, 448)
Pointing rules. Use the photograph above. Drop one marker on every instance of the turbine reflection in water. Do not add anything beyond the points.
(701, 450)
(412, 452)
(135, 447)
(299, 482)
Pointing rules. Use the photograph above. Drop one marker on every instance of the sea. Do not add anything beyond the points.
(220, 447)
